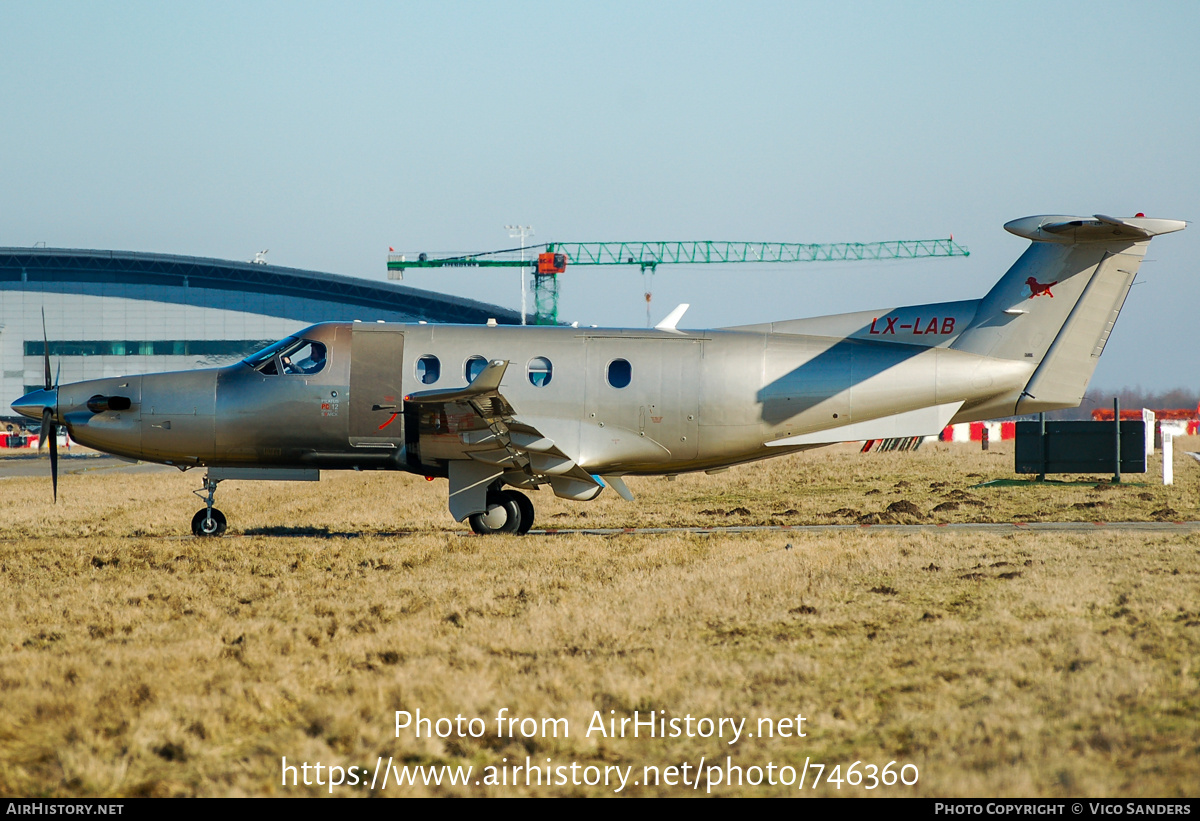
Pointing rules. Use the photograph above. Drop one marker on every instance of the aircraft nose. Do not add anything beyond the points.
(34, 404)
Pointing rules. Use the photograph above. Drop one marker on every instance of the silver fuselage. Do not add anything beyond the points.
(694, 400)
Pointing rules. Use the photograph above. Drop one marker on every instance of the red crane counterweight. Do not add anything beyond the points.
(549, 262)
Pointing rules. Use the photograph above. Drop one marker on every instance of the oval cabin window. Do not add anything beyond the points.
(619, 373)
(473, 367)
(428, 369)
(540, 371)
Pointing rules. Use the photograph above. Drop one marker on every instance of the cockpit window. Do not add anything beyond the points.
(309, 358)
(291, 356)
(267, 354)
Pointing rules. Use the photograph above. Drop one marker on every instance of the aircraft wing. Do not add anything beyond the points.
(482, 395)
(505, 447)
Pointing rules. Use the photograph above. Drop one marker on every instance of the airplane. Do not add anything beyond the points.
(498, 410)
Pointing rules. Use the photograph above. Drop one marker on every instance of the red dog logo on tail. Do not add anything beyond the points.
(1038, 289)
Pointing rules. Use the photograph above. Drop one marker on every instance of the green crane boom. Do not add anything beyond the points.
(648, 255)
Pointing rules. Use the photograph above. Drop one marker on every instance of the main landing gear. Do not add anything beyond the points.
(209, 521)
(507, 512)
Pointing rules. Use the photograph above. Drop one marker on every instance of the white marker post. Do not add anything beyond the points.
(1148, 418)
(1168, 463)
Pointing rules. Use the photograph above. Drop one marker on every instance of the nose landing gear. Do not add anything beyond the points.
(209, 521)
(508, 512)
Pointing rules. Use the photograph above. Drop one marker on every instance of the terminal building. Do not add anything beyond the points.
(110, 313)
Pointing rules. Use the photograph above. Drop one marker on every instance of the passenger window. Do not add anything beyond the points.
(474, 367)
(619, 373)
(540, 371)
(428, 369)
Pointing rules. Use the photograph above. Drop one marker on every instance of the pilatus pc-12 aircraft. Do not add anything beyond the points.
(499, 410)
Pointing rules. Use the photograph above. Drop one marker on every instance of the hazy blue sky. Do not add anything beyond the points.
(327, 132)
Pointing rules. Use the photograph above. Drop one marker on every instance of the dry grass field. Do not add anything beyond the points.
(138, 660)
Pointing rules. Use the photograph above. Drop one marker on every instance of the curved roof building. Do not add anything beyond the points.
(110, 313)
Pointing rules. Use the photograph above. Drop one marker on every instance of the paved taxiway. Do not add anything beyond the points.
(72, 464)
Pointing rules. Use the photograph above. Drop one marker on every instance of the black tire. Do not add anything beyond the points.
(524, 506)
(503, 516)
(205, 528)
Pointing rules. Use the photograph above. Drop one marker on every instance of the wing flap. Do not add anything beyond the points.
(509, 449)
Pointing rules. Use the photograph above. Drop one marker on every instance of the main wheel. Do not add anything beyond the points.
(524, 506)
(502, 516)
(202, 525)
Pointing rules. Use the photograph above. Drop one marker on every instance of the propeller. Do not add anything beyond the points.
(49, 427)
(50, 432)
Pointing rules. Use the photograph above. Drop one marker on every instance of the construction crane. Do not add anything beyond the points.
(553, 259)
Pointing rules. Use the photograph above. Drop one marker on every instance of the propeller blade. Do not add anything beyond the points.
(46, 350)
(49, 429)
(50, 432)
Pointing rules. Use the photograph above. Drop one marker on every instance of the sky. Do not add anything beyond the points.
(329, 132)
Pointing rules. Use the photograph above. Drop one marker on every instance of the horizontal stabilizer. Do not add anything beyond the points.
(1099, 228)
(921, 422)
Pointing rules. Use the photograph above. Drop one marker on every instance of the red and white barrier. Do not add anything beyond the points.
(31, 441)
(973, 431)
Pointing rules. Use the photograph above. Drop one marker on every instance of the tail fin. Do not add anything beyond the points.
(1058, 303)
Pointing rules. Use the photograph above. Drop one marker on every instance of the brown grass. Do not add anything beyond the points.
(137, 660)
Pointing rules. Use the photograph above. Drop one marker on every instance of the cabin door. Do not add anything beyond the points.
(376, 395)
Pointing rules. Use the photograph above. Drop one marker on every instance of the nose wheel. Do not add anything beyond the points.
(208, 522)
(507, 512)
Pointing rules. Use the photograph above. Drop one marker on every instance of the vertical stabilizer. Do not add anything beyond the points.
(1057, 305)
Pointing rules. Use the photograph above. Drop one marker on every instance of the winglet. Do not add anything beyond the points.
(673, 318)
(488, 381)
(618, 484)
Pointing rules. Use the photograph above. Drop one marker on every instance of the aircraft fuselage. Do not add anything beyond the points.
(638, 402)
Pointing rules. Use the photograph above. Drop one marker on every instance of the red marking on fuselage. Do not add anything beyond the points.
(391, 419)
(1038, 289)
